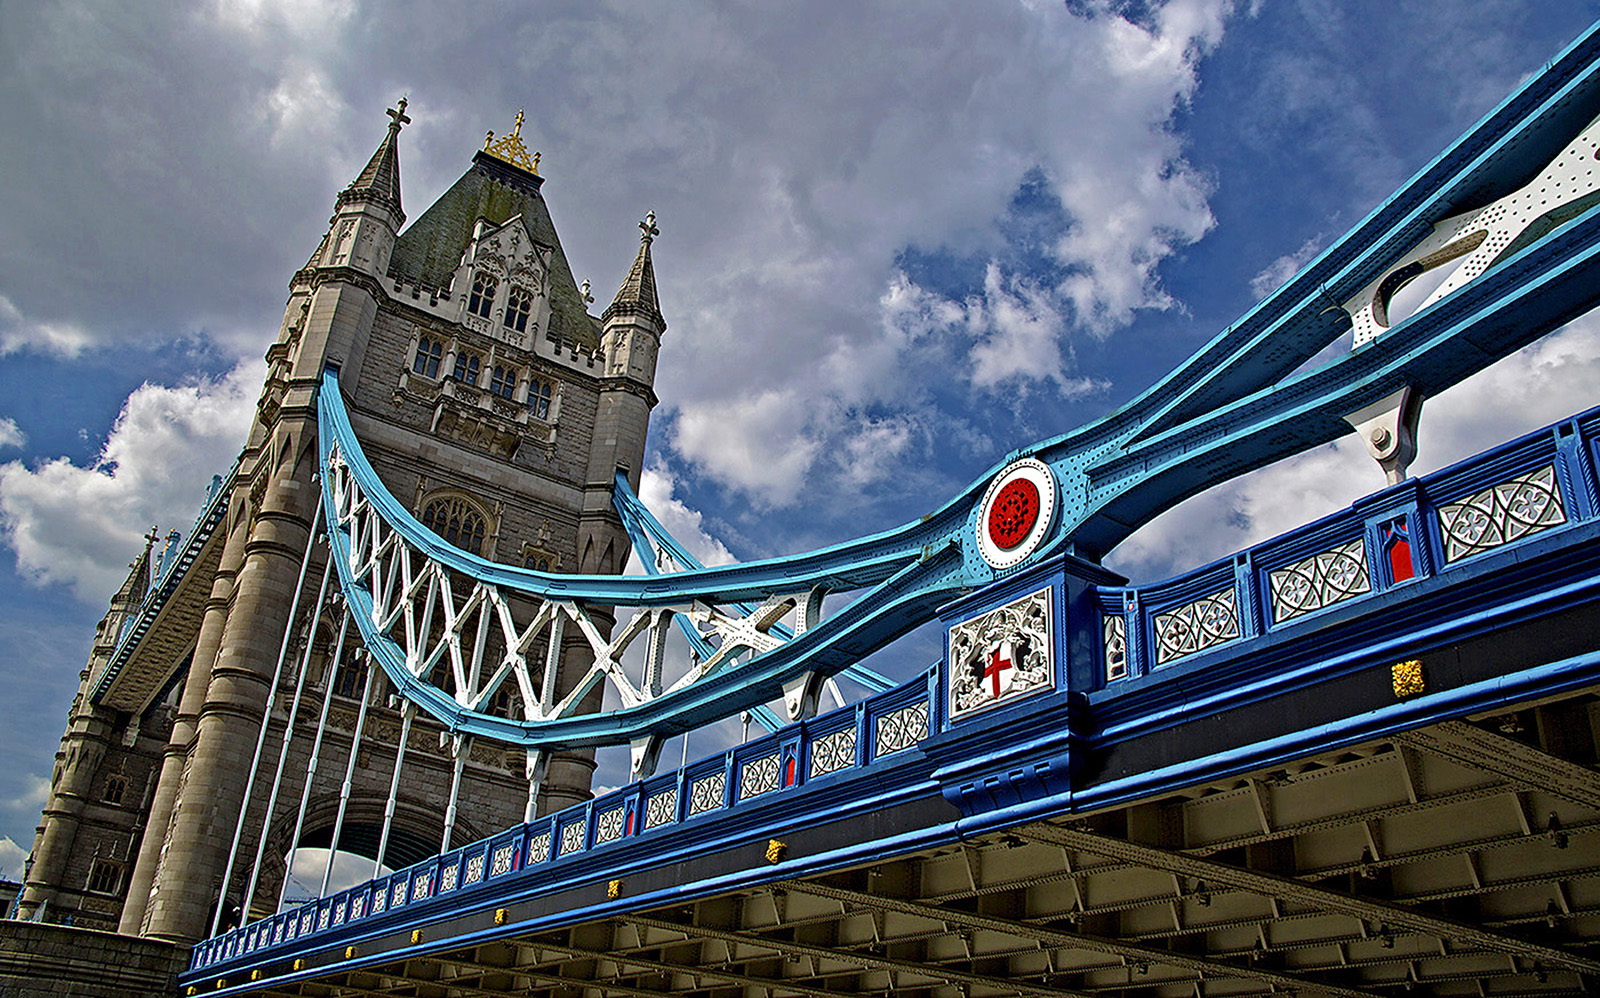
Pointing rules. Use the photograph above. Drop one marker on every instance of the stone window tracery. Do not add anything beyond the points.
(105, 877)
(504, 381)
(467, 365)
(426, 361)
(481, 301)
(455, 520)
(539, 395)
(519, 305)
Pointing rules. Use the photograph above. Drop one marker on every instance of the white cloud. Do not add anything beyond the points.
(1538, 385)
(781, 277)
(19, 332)
(11, 434)
(759, 443)
(1274, 274)
(13, 859)
(78, 525)
(33, 798)
(656, 487)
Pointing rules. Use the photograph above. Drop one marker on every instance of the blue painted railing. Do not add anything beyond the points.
(746, 777)
(1534, 487)
(1552, 473)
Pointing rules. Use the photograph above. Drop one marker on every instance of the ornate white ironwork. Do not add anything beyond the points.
(833, 752)
(608, 825)
(1194, 627)
(380, 901)
(661, 808)
(900, 729)
(398, 897)
(1114, 635)
(758, 776)
(419, 886)
(1321, 580)
(469, 638)
(474, 869)
(501, 863)
(449, 879)
(706, 793)
(572, 838)
(1502, 513)
(1002, 655)
(539, 848)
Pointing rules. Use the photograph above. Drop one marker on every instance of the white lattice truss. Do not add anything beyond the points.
(487, 635)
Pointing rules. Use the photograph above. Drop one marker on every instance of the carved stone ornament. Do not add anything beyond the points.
(1003, 655)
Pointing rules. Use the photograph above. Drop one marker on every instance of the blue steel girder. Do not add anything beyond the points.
(1240, 403)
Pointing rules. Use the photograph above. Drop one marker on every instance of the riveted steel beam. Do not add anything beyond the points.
(1288, 889)
(1521, 765)
(1205, 968)
(865, 960)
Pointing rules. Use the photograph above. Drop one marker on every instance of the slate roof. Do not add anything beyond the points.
(637, 296)
(379, 180)
(430, 250)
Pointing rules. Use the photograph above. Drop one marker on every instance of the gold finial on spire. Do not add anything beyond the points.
(511, 149)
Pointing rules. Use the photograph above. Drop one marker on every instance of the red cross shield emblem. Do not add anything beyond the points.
(1000, 668)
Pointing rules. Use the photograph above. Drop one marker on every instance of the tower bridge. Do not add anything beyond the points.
(1358, 758)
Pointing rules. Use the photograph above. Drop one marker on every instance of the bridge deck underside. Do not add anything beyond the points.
(1458, 859)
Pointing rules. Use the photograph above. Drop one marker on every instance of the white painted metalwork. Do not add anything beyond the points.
(1194, 627)
(261, 734)
(1476, 240)
(472, 639)
(1321, 580)
(1501, 513)
(283, 750)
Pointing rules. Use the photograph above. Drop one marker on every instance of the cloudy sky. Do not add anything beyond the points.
(898, 240)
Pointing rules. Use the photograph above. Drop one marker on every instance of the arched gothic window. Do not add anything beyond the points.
(426, 362)
(519, 304)
(456, 521)
(539, 394)
(504, 381)
(481, 301)
(467, 368)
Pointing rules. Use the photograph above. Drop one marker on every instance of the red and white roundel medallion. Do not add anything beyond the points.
(1016, 513)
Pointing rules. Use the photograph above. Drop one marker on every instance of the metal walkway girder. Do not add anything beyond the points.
(1272, 885)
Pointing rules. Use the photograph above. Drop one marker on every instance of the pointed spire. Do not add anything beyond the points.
(133, 589)
(637, 296)
(380, 180)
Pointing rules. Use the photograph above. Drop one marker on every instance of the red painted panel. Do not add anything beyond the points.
(1400, 559)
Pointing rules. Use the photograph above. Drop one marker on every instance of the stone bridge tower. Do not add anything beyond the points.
(486, 396)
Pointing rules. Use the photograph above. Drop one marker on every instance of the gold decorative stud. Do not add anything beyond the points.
(299, 964)
(222, 982)
(614, 889)
(499, 916)
(349, 952)
(255, 975)
(416, 936)
(1407, 677)
(776, 850)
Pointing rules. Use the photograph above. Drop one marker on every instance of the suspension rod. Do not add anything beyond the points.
(408, 710)
(283, 750)
(261, 735)
(349, 776)
(462, 746)
(316, 747)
